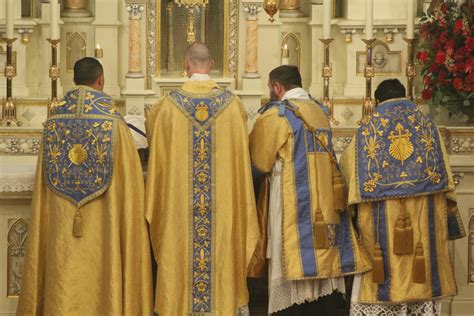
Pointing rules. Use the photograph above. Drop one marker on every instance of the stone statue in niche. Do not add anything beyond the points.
(16, 254)
(75, 49)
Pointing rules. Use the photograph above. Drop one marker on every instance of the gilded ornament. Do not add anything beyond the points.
(401, 147)
(77, 154)
(202, 112)
(371, 148)
(323, 139)
(271, 7)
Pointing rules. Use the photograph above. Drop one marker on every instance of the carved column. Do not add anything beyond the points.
(135, 9)
(290, 8)
(171, 61)
(251, 66)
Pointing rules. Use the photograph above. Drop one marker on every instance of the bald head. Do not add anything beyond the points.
(198, 59)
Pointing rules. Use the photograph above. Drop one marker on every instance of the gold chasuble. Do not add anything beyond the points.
(88, 249)
(318, 238)
(400, 182)
(200, 201)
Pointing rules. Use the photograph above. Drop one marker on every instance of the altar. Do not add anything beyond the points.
(141, 43)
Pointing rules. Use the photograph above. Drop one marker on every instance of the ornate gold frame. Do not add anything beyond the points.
(153, 35)
(389, 52)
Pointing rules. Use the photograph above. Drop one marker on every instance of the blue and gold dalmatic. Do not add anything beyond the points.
(399, 177)
(78, 145)
(202, 110)
(319, 240)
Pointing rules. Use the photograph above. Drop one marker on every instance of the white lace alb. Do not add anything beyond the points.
(427, 308)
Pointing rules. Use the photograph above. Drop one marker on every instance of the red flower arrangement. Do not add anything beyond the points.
(447, 57)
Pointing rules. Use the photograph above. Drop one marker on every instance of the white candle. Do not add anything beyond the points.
(410, 19)
(54, 19)
(327, 7)
(9, 18)
(285, 55)
(369, 19)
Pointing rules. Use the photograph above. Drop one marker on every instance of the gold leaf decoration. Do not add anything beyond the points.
(202, 112)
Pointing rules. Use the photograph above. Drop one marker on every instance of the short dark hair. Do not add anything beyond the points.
(86, 71)
(288, 76)
(389, 89)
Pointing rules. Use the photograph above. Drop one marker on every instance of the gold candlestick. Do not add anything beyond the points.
(410, 70)
(9, 107)
(369, 73)
(54, 74)
(327, 74)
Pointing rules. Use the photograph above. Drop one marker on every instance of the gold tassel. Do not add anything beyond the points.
(377, 265)
(399, 236)
(321, 238)
(339, 191)
(77, 226)
(408, 234)
(419, 272)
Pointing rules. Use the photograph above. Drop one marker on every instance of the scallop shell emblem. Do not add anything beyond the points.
(401, 147)
(77, 154)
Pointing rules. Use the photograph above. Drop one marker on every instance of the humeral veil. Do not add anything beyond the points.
(399, 177)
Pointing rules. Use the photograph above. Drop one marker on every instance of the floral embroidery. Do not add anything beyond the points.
(399, 153)
(78, 157)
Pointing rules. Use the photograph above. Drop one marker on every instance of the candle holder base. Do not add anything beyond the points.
(329, 104)
(9, 114)
(52, 105)
(367, 110)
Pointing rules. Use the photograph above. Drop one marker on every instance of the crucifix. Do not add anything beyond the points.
(191, 5)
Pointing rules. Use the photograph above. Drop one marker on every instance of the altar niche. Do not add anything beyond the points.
(211, 24)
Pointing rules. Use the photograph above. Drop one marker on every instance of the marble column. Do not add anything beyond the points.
(251, 65)
(290, 9)
(134, 41)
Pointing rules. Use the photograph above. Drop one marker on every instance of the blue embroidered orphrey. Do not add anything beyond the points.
(201, 110)
(78, 146)
(399, 154)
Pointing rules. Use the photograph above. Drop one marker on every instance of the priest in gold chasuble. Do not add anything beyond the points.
(200, 202)
(88, 247)
(400, 182)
